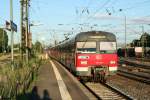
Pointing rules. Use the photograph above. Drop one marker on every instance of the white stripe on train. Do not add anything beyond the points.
(114, 68)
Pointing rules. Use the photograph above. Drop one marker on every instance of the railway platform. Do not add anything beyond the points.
(54, 82)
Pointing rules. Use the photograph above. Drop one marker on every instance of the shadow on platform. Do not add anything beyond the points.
(33, 95)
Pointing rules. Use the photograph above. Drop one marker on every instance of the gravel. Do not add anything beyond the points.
(136, 89)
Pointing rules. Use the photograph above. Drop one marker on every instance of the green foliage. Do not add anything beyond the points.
(3, 40)
(17, 81)
(38, 47)
(136, 43)
(145, 40)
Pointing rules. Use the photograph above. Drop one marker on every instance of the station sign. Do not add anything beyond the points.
(13, 26)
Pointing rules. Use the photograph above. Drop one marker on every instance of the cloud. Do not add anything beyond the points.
(144, 20)
(106, 17)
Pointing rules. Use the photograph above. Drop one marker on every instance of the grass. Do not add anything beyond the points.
(14, 82)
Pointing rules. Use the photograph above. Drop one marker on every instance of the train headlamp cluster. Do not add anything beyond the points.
(112, 62)
(83, 62)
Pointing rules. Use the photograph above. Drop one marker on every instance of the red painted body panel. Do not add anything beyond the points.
(84, 60)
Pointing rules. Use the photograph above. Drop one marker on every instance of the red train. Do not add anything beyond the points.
(89, 55)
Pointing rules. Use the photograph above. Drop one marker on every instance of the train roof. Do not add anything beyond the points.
(96, 36)
(89, 36)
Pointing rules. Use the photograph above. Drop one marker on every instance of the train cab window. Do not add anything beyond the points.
(107, 47)
(86, 47)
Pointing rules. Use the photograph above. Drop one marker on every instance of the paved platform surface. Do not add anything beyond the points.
(54, 83)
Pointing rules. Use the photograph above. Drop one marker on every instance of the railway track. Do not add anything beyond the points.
(135, 76)
(136, 63)
(145, 59)
(135, 71)
(106, 92)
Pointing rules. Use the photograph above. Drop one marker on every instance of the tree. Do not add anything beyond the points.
(38, 47)
(136, 43)
(145, 39)
(3, 40)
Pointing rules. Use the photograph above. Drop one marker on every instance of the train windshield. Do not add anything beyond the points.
(86, 47)
(107, 47)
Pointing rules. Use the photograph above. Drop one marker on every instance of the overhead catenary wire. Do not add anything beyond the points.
(124, 9)
(97, 10)
(137, 4)
(2, 18)
(107, 3)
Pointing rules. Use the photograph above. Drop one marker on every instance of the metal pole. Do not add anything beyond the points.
(125, 37)
(12, 35)
(27, 31)
(3, 42)
(21, 29)
(143, 40)
(142, 28)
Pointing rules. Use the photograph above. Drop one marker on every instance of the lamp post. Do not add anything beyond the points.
(143, 41)
(125, 33)
(12, 35)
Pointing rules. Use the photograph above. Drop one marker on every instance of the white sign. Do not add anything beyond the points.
(13, 26)
(138, 49)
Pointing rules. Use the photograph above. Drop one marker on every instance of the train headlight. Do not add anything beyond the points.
(112, 62)
(83, 62)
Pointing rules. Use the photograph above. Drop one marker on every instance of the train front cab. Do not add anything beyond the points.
(96, 58)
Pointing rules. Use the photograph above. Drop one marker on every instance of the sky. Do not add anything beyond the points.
(54, 18)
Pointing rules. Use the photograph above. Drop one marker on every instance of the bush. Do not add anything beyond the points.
(18, 80)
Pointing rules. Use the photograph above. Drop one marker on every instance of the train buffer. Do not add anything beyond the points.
(54, 82)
